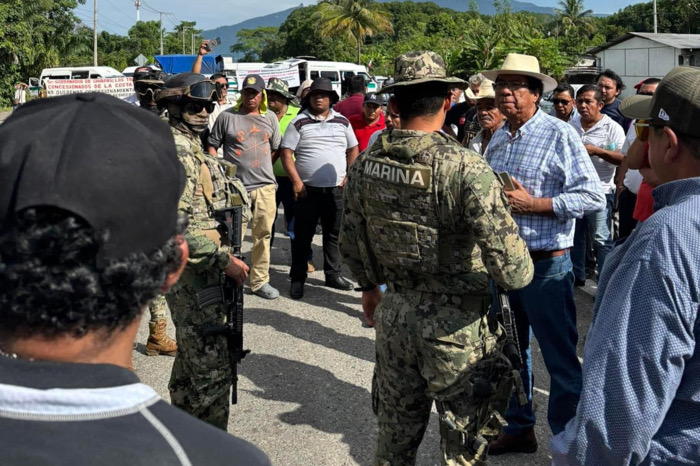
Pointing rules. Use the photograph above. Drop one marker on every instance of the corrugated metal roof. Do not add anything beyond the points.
(679, 41)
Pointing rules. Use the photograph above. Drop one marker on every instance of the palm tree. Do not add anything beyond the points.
(354, 19)
(574, 18)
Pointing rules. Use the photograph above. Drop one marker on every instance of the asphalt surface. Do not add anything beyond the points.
(304, 391)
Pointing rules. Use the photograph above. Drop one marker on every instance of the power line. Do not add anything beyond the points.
(117, 8)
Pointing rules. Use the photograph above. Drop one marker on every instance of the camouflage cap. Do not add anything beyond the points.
(420, 67)
(280, 86)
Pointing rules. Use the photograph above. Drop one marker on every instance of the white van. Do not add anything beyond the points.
(336, 71)
(79, 72)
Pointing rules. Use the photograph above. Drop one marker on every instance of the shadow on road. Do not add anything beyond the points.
(313, 332)
(325, 402)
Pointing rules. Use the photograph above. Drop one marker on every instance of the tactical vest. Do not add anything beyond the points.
(216, 189)
(414, 220)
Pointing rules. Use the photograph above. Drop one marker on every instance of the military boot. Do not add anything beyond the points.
(158, 341)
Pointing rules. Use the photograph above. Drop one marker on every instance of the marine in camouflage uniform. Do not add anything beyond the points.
(429, 218)
(147, 81)
(200, 382)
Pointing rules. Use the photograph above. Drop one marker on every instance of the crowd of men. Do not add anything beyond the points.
(465, 223)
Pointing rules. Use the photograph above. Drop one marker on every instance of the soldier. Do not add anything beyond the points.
(147, 81)
(429, 218)
(201, 377)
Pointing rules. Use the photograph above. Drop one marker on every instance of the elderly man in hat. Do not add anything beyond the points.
(428, 218)
(250, 136)
(641, 397)
(489, 116)
(554, 183)
(325, 146)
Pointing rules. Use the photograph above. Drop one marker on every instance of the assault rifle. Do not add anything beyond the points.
(512, 347)
(230, 293)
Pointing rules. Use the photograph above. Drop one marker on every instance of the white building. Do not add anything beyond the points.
(639, 55)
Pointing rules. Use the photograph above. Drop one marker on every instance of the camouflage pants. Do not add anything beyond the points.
(200, 382)
(429, 347)
(158, 308)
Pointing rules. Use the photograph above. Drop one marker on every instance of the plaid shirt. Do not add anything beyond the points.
(548, 158)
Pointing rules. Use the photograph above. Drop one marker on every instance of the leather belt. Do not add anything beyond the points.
(321, 190)
(541, 255)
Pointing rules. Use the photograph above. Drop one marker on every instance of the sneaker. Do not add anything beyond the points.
(267, 291)
(297, 290)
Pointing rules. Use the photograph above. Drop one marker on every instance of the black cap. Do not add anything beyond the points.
(372, 98)
(253, 81)
(110, 163)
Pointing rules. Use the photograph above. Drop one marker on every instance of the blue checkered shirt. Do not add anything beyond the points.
(547, 157)
(640, 403)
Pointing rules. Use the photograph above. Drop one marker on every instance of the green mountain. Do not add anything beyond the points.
(228, 33)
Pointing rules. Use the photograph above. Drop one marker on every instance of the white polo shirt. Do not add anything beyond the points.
(608, 135)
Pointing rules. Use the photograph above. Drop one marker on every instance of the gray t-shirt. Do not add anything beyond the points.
(319, 147)
(248, 141)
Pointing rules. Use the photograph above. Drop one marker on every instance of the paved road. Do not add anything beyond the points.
(304, 391)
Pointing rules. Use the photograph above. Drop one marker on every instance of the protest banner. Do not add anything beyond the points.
(121, 87)
(289, 74)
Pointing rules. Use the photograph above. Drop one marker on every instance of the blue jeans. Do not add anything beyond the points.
(600, 224)
(546, 308)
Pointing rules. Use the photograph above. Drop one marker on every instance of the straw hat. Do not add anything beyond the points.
(527, 65)
(485, 91)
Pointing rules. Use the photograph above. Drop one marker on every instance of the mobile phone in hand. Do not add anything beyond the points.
(213, 43)
(507, 181)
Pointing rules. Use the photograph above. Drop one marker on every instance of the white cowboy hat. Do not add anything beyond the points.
(527, 65)
(485, 91)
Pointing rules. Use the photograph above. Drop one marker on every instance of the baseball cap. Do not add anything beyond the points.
(253, 81)
(280, 86)
(676, 102)
(372, 98)
(113, 164)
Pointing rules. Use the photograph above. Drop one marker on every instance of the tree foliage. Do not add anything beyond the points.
(352, 19)
(257, 45)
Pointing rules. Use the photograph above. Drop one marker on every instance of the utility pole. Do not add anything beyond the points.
(655, 29)
(161, 32)
(94, 34)
(183, 40)
(192, 49)
(138, 11)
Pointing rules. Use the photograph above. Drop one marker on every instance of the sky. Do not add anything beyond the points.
(117, 16)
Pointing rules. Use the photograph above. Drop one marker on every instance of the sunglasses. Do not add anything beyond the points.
(645, 93)
(197, 107)
(561, 101)
(641, 129)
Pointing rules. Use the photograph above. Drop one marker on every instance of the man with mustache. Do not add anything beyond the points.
(555, 183)
(250, 136)
(490, 117)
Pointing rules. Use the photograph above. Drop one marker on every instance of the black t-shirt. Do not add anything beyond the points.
(458, 115)
(613, 111)
(101, 414)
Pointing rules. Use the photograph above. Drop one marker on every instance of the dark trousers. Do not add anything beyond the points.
(326, 204)
(625, 208)
(285, 196)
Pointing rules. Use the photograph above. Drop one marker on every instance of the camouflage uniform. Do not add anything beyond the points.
(200, 382)
(429, 218)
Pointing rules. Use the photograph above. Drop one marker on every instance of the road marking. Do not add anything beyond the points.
(539, 390)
